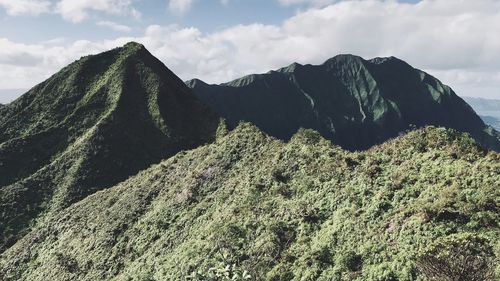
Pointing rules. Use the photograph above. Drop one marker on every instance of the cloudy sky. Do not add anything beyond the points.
(218, 40)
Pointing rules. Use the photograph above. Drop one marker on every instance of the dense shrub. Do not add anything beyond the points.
(302, 210)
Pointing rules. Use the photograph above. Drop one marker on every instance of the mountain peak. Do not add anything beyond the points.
(134, 49)
(195, 82)
(343, 58)
(123, 53)
(353, 102)
(133, 46)
(380, 60)
(291, 68)
(243, 81)
(347, 58)
(93, 124)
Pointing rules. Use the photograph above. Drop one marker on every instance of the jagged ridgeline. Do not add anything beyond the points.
(302, 210)
(112, 169)
(355, 103)
(95, 123)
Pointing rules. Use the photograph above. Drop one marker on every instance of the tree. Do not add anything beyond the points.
(221, 273)
(458, 257)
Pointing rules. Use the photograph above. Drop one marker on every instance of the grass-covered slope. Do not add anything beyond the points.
(302, 210)
(95, 123)
(356, 103)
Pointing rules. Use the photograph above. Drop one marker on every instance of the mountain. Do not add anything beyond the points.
(302, 210)
(353, 102)
(113, 169)
(493, 121)
(488, 110)
(90, 126)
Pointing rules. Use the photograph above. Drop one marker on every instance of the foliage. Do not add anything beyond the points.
(90, 126)
(106, 175)
(302, 210)
(463, 256)
(221, 273)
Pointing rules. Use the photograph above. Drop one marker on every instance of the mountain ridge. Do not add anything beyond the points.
(347, 99)
(88, 127)
(305, 209)
(113, 169)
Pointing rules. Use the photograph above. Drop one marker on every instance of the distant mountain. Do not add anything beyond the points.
(488, 110)
(302, 210)
(92, 125)
(483, 104)
(113, 169)
(493, 121)
(355, 103)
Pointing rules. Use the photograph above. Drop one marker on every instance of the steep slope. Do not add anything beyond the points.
(356, 103)
(93, 124)
(303, 210)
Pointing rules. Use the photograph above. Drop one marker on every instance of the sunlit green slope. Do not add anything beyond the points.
(95, 123)
(302, 210)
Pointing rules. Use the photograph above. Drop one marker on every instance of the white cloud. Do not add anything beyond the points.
(455, 40)
(135, 13)
(42, 60)
(8, 95)
(78, 10)
(19, 55)
(317, 3)
(180, 6)
(22, 7)
(114, 26)
(71, 10)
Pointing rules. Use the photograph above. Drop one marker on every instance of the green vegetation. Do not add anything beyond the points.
(302, 210)
(353, 102)
(458, 257)
(221, 273)
(90, 126)
(113, 170)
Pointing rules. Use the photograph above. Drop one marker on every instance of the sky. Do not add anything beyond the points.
(219, 40)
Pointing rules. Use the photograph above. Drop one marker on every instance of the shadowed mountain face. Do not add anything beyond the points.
(95, 123)
(85, 194)
(356, 103)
